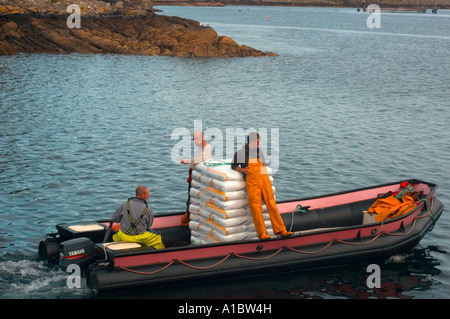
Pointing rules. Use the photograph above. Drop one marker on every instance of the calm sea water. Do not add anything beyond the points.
(346, 107)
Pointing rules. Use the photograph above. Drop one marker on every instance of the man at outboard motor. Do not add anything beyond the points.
(136, 218)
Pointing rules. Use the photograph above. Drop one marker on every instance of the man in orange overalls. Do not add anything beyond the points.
(250, 162)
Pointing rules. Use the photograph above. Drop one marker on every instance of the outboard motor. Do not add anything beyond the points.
(80, 251)
(49, 250)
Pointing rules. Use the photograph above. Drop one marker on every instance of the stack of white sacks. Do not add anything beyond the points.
(219, 205)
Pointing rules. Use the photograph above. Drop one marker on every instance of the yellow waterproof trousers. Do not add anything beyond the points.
(259, 188)
(148, 238)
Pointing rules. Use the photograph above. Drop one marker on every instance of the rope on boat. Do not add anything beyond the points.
(378, 234)
(430, 211)
(406, 233)
(216, 163)
(148, 273)
(367, 242)
(430, 207)
(262, 258)
(207, 267)
(311, 252)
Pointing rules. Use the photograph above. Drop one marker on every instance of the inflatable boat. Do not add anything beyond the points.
(329, 230)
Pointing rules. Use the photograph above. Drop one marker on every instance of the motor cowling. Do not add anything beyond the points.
(79, 251)
(49, 250)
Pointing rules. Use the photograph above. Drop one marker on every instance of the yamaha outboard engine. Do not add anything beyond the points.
(49, 249)
(80, 251)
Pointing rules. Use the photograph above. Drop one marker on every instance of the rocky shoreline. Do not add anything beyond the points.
(134, 26)
(131, 27)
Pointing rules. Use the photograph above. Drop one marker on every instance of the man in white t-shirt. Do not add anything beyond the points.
(203, 153)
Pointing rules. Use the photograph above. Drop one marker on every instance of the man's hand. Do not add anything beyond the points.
(242, 170)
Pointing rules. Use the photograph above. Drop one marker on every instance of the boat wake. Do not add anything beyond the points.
(398, 258)
(25, 277)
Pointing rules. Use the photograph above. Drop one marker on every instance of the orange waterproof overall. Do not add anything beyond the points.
(259, 188)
